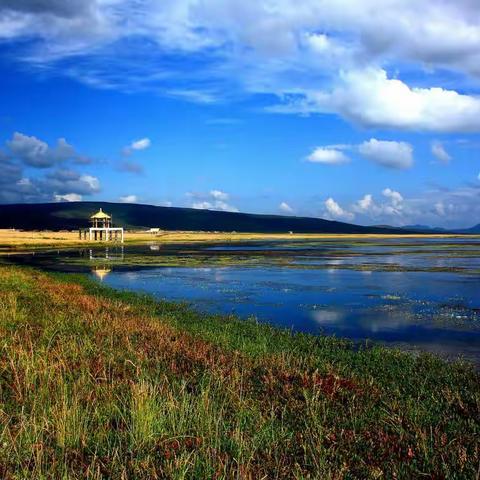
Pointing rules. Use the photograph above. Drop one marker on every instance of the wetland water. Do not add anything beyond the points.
(416, 294)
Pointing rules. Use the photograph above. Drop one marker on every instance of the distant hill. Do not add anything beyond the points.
(473, 230)
(73, 215)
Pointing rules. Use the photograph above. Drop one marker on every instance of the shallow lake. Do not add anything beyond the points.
(415, 294)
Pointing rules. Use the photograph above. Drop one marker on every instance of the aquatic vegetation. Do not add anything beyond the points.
(97, 383)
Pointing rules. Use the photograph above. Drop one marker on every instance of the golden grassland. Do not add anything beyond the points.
(16, 239)
(100, 384)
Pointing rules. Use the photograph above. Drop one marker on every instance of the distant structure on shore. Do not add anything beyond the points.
(102, 229)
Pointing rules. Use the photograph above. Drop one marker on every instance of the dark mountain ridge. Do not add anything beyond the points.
(74, 215)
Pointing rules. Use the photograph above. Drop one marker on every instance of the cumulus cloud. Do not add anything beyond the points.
(395, 206)
(37, 153)
(58, 185)
(439, 152)
(365, 204)
(212, 200)
(441, 207)
(368, 97)
(393, 195)
(219, 195)
(327, 156)
(285, 207)
(389, 210)
(398, 155)
(128, 199)
(336, 212)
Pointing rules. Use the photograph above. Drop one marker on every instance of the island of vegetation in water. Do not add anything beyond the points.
(98, 383)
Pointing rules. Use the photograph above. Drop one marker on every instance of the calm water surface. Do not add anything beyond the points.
(418, 295)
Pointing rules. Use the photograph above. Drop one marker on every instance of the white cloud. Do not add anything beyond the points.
(69, 197)
(213, 200)
(365, 204)
(396, 202)
(218, 205)
(219, 195)
(438, 150)
(335, 211)
(455, 208)
(285, 207)
(442, 34)
(394, 196)
(282, 48)
(92, 182)
(390, 154)
(327, 156)
(141, 144)
(369, 98)
(128, 199)
(389, 210)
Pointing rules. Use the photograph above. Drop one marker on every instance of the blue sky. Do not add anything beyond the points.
(367, 112)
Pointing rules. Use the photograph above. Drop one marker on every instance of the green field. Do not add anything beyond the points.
(102, 384)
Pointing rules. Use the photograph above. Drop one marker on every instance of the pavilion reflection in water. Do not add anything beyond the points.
(103, 260)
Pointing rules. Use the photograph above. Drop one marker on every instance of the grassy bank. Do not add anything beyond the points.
(97, 384)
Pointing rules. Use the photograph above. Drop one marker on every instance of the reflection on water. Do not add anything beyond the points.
(101, 271)
(103, 258)
(116, 253)
(416, 294)
(437, 312)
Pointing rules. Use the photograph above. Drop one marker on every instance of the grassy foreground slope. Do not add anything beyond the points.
(96, 384)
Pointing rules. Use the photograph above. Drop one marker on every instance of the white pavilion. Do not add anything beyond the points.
(102, 228)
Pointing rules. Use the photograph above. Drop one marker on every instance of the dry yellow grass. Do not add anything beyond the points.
(16, 239)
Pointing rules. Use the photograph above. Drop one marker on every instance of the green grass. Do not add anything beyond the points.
(96, 383)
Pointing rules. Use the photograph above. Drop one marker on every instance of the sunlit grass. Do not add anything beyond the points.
(97, 384)
(17, 240)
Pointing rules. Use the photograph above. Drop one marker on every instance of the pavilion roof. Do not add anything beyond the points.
(100, 214)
